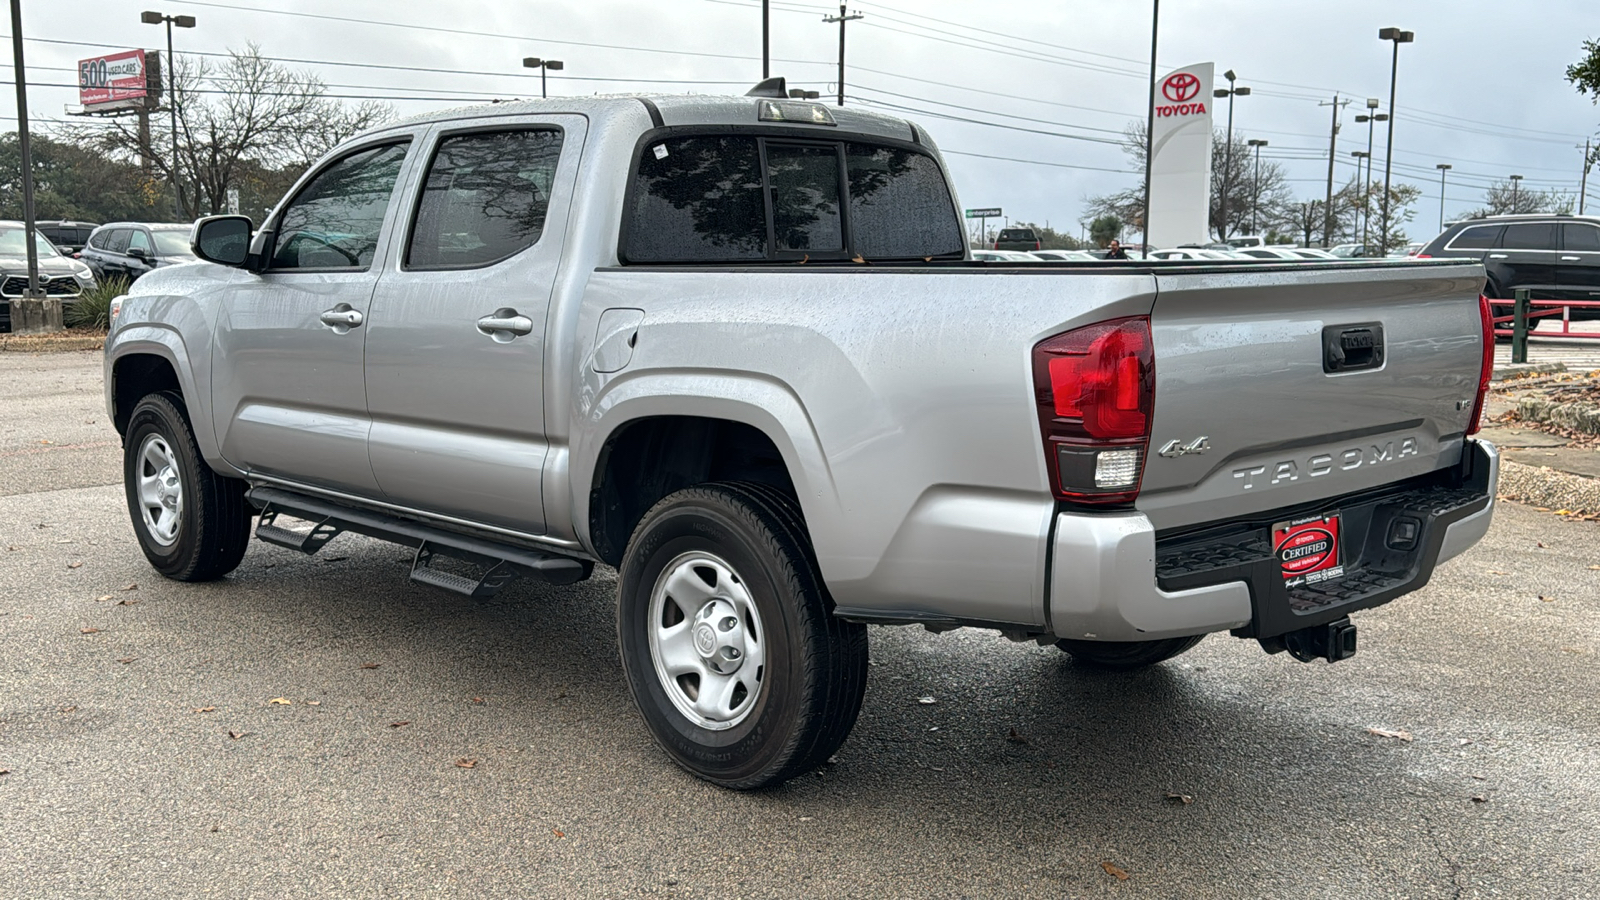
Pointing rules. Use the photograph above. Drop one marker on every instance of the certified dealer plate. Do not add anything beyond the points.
(1308, 550)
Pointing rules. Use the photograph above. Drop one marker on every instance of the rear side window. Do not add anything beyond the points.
(98, 241)
(1530, 236)
(1582, 238)
(738, 198)
(118, 242)
(485, 198)
(899, 204)
(1478, 237)
(333, 223)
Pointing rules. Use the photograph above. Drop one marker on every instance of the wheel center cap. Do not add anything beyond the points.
(705, 640)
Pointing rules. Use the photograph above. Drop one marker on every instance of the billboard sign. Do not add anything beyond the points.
(1180, 158)
(112, 78)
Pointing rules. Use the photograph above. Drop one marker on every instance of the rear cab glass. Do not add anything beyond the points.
(1017, 234)
(744, 198)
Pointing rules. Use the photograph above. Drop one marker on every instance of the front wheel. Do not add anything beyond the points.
(1125, 656)
(193, 524)
(728, 638)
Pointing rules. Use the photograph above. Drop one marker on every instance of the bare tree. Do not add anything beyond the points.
(1505, 198)
(247, 123)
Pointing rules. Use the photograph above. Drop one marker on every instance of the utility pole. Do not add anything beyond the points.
(155, 18)
(766, 44)
(1443, 168)
(841, 18)
(1255, 190)
(1333, 142)
(1150, 118)
(1583, 183)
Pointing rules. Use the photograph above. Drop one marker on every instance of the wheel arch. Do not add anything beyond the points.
(146, 359)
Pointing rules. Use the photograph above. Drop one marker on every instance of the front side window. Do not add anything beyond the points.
(736, 198)
(139, 241)
(485, 198)
(333, 223)
(98, 241)
(1530, 236)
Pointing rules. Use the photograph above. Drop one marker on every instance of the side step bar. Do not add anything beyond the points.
(500, 562)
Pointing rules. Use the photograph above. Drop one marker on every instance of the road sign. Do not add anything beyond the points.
(992, 212)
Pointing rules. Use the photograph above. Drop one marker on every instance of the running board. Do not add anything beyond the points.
(500, 563)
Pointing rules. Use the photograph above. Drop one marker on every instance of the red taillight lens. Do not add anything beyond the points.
(1424, 256)
(1486, 313)
(1095, 390)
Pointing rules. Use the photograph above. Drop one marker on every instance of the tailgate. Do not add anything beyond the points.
(1277, 388)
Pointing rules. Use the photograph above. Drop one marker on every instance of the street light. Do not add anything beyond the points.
(1366, 183)
(155, 18)
(1515, 181)
(1255, 199)
(1366, 192)
(1227, 154)
(1443, 168)
(543, 65)
(1398, 37)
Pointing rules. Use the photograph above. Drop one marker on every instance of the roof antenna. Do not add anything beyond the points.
(771, 87)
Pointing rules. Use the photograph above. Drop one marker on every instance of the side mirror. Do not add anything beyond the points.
(224, 240)
(138, 253)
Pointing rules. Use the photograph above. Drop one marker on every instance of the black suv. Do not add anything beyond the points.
(69, 237)
(1554, 257)
(130, 249)
(1016, 239)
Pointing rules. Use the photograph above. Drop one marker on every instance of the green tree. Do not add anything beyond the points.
(1585, 74)
(1103, 229)
(71, 181)
(1051, 239)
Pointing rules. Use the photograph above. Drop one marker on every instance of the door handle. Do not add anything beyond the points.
(1497, 256)
(1569, 259)
(341, 318)
(505, 324)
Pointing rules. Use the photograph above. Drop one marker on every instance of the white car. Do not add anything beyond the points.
(1065, 255)
(1311, 253)
(1196, 254)
(1005, 256)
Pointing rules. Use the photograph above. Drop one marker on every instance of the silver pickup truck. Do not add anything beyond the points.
(736, 348)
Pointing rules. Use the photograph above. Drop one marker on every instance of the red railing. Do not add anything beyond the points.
(1546, 309)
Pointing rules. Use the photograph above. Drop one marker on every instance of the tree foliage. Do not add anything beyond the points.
(72, 181)
(1585, 73)
(1104, 228)
(1505, 198)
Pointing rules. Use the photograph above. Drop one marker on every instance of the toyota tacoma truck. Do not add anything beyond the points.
(736, 348)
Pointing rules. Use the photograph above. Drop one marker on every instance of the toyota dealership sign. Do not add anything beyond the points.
(1180, 158)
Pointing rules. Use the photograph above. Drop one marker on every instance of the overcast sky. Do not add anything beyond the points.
(1482, 87)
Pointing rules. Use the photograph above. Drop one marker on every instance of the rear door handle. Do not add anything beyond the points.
(1569, 259)
(341, 318)
(505, 325)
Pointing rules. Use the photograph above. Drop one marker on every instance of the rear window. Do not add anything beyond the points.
(745, 198)
(1583, 238)
(1530, 236)
(1478, 237)
(1016, 234)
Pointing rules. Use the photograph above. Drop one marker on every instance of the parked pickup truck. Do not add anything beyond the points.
(735, 348)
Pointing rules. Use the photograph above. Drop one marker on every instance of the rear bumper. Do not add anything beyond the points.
(1114, 578)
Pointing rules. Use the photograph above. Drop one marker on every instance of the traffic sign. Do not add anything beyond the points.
(992, 212)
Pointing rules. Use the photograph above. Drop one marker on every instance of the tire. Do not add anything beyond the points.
(192, 523)
(1125, 656)
(714, 579)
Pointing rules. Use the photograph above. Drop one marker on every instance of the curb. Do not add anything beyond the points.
(1507, 373)
(1547, 487)
(1581, 417)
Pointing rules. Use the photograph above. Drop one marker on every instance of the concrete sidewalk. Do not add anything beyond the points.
(1543, 464)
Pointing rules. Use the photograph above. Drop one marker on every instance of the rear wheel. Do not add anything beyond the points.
(193, 524)
(1127, 655)
(728, 639)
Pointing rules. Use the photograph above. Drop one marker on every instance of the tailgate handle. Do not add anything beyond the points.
(1351, 348)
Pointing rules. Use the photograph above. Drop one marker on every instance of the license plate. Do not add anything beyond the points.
(1308, 550)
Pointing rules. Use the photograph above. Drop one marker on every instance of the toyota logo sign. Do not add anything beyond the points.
(1180, 86)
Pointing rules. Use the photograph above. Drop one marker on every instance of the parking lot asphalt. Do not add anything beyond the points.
(319, 726)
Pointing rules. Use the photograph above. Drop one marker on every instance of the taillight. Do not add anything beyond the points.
(1424, 256)
(1095, 388)
(1486, 313)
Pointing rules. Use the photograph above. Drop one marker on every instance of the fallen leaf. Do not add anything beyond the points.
(1016, 737)
(1596, 568)
(88, 630)
(558, 832)
(399, 724)
(205, 709)
(5, 771)
(1498, 572)
(805, 818)
(127, 659)
(370, 665)
(67, 709)
(102, 598)
(479, 700)
(126, 601)
(313, 702)
(857, 259)
(1540, 543)
(926, 701)
(1115, 871)
(131, 587)
(466, 762)
(1479, 798)
(1184, 799)
(1384, 732)
(1547, 599)
(75, 565)
(280, 701)
(1479, 777)
(239, 734)
(833, 760)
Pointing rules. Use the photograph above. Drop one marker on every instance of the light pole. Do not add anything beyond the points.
(543, 65)
(1443, 168)
(1366, 193)
(766, 56)
(155, 18)
(1398, 37)
(1255, 191)
(1227, 154)
(1516, 180)
(841, 18)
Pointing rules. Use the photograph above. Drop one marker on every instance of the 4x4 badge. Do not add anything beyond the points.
(1176, 448)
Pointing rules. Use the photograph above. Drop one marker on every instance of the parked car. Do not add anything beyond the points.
(1015, 256)
(1354, 251)
(1275, 253)
(68, 236)
(59, 276)
(130, 249)
(1311, 253)
(734, 348)
(1194, 253)
(1065, 255)
(1246, 240)
(1016, 239)
(1554, 257)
